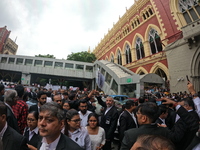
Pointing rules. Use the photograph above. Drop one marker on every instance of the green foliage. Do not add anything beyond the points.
(46, 56)
(82, 56)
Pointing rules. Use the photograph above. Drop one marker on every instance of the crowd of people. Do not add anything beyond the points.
(67, 119)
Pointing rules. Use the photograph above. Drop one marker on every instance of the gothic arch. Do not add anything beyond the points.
(116, 51)
(180, 20)
(141, 69)
(195, 69)
(161, 66)
(135, 38)
(150, 26)
(124, 46)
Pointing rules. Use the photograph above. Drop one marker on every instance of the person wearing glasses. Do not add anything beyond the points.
(96, 133)
(42, 98)
(31, 131)
(74, 130)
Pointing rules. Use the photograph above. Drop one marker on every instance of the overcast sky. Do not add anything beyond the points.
(59, 27)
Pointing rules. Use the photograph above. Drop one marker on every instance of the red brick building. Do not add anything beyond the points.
(7, 46)
(144, 36)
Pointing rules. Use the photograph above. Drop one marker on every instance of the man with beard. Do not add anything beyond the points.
(83, 112)
(42, 98)
(108, 119)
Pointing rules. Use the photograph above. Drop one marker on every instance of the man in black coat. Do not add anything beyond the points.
(11, 139)
(127, 119)
(147, 113)
(42, 98)
(50, 123)
(108, 119)
(190, 129)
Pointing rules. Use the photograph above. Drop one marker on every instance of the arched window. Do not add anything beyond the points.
(139, 49)
(155, 42)
(112, 58)
(190, 9)
(128, 54)
(119, 58)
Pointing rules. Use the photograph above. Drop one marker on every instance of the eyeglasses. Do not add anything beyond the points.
(77, 120)
(43, 98)
(92, 120)
(30, 119)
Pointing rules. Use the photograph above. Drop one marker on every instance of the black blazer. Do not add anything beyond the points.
(131, 135)
(108, 120)
(190, 130)
(33, 108)
(11, 120)
(126, 122)
(12, 140)
(34, 140)
(64, 143)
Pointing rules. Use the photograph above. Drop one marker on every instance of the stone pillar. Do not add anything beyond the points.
(147, 49)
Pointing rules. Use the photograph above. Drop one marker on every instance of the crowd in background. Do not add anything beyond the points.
(174, 123)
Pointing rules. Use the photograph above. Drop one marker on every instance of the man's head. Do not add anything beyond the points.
(58, 99)
(187, 103)
(163, 111)
(141, 100)
(10, 97)
(2, 88)
(3, 114)
(130, 105)
(83, 106)
(51, 121)
(20, 90)
(147, 113)
(152, 142)
(42, 98)
(109, 101)
(65, 96)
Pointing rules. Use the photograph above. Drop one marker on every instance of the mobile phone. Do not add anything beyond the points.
(187, 78)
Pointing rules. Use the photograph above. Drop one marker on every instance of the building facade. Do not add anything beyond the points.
(7, 45)
(159, 37)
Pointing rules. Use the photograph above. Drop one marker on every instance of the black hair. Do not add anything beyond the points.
(35, 114)
(93, 115)
(40, 93)
(130, 103)
(69, 115)
(141, 99)
(150, 110)
(20, 90)
(3, 108)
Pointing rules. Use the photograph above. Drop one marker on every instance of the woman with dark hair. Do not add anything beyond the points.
(31, 132)
(74, 130)
(96, 133)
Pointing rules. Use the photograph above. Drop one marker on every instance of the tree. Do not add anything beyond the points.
(82, 56)
(46, 56)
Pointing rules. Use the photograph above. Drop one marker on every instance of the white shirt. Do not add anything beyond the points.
(31, 133)
(51, 146)
(98, 138)
(81, 137)
(197, 105)
(84, 118)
